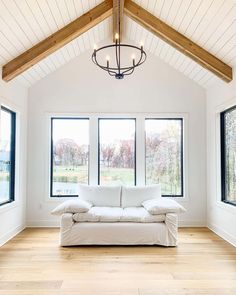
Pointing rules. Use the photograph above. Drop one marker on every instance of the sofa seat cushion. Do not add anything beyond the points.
(139, 214)
(100, 195)
(113, 214)
(99, 214)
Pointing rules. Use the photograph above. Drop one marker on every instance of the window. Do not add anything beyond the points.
(7, 155)
(113, 153)
(117, 151)
(69, 155)
(164, 154)
(228, 155)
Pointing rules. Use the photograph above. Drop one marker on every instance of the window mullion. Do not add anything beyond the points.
(93, 151)
(140, 150)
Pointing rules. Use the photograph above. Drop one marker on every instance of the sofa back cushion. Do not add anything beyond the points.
(133, 196)
(100, 196)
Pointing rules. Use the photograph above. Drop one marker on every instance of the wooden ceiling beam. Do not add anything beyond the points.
(178, 41)
(57, 40)
(118, 18)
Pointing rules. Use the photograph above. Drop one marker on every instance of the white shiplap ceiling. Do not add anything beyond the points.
(209, 23)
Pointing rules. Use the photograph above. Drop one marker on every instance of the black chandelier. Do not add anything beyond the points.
(117, 69)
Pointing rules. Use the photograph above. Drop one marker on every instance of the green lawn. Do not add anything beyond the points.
(109, 176)
(4, 176)
(70, 174)
(80, 174)
(117, 176)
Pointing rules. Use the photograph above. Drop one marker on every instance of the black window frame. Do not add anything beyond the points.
(182, 155)
(223, 155)
(12, 156)
(51, 156)
(135, 143)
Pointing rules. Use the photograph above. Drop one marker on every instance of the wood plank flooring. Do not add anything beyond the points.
(33, 264)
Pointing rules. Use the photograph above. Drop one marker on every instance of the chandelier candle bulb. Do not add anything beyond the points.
(94, 48)
(108, 60)
(133, 58)
(116, 36)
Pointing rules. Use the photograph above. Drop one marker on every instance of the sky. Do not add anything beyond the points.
(75, 129)
(158, 126)
(111, 130)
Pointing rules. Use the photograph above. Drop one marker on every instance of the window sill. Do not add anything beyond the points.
(8, 206)
(59, 199)
(226, 206)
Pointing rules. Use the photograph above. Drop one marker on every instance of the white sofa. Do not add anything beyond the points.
(116, 216)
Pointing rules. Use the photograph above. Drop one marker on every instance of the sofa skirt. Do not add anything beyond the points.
(118, 233)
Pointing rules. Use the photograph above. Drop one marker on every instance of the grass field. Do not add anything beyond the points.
(80, 175)
(70, 174)
(4, 175)
(117, 176)
(109, 176)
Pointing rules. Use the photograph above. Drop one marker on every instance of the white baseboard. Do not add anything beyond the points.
(56, 223)
(192, 223)
(222, 233)
(10, 234)
(43, 223)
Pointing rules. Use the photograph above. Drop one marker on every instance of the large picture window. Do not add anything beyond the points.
(7, 155)
(69, 155)
(228, 155)
(164, 154)
(117, 151)
(108, 146)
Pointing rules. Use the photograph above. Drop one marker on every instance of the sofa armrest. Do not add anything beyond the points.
(66, 222)
(66, 225)
(171, 222)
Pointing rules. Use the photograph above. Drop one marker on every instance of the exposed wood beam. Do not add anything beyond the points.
(178, 41)
(118, 18)
(57, 40)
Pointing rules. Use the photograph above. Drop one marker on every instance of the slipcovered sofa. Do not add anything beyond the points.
(107, 215)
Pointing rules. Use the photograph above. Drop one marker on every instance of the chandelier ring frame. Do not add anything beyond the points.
(119, 72)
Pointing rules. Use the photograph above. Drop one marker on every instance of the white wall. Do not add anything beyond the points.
(12, 215)
(81, 87)
(221, 216)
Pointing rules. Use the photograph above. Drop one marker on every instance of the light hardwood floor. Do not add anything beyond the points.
(32, 263)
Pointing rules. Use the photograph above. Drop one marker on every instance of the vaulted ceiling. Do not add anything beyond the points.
(209, 23)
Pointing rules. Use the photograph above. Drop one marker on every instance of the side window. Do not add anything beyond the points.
(228, 156)
(7, 155)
